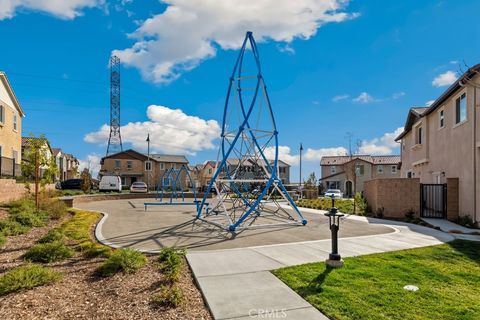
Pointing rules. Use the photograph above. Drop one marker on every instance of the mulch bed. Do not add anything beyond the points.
(81, 295)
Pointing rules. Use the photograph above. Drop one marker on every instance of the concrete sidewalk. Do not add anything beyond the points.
(237, 284)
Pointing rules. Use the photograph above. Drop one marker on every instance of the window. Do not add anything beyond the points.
(2, 115)
(162, 166)
(380, 169)
(129, 165)
(117, 163)
(148, 166)
(394, 169)
(15, 122)
(418, 135)
(333, 169)
(441, 118)
(283, 170)
(210, 171)
(360, 169)
(461, 109)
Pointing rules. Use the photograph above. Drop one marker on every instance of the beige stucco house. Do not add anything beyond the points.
(11, 115)
(134, 166)
(443, 141)
(349, 173)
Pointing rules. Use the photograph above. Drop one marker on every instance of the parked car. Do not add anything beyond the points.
(71, 184)
(110, 183)
(334, 193)
(139, 187)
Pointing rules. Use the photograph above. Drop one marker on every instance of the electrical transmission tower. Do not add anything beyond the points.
(115, 139)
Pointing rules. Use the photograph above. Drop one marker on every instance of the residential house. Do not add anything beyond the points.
(247, 170)
(72, 166)
(443, 141)
(11, 114)
(46, 149)
(348, 173)
(134, 166)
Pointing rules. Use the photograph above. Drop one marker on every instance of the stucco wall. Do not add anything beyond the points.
(396, 196)
(10, 139)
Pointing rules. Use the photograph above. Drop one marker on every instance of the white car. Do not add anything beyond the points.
(334, 193)
(140, 187)
(110, 183)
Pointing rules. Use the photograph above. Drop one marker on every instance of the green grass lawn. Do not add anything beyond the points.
(371, 287)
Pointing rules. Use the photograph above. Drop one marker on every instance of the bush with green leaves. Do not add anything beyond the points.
(169, 297)
(343, 205)
(2, 239)
(55, 208)
(170, 262)
(12, 228)
(126, 260)
(48, 252)
(27, 277)
(52, 236)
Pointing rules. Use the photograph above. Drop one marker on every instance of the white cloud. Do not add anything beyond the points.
(284, 154)
(340, 97)
(398, 95)
(64, 9)
(171, 131)
(92, 163)
(384, 145)
(363, 98)
(429, 103)
(188, 32)
(445, 79)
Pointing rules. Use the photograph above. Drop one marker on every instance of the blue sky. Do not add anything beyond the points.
(355, 69)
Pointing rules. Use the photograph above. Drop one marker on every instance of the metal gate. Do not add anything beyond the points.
(433, 201)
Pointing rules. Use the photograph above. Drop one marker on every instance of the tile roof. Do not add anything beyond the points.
(339, 160)
(169, 158)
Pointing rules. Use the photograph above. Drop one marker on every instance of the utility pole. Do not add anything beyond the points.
(301, 149)
(149, 167)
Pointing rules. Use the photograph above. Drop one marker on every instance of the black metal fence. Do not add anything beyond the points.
(433, 200)
(8, 168)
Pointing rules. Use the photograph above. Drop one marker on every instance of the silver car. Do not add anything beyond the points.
(140, 187)
(335, 193)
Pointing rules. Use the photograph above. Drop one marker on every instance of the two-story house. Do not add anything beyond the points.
(349, 173)
(133, 166)
(67, 165)
(443, 141)
(11, 114)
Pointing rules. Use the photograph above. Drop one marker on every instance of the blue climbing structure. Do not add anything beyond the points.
(247, 185)
(171, 190)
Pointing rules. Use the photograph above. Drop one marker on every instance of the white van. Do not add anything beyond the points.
(110, 183)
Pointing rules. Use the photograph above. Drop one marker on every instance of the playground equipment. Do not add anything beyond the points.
(171, 179)
(247, 181)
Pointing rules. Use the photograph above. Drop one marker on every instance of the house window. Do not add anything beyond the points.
(162, 166)
(148, 166)
(409, 174)
(461, 109)
(360, 169)
(441, 118)
(418, 135)
(283, 170)
(380, 169)
(394, 169)
(333, 169)
(117, 164)
(2, 114)
(15, 122)
(129, 165)
(209, 171)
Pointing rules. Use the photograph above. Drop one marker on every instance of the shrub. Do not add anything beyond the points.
(26, 277)
(169, 297)
(12, 228)
(48, 252)
(466, 221)
(55, 208)
(360, 202)
(52, 236)
(170, 262)
(29, 218)
(126, 260)
(91, 249)
(2, 240)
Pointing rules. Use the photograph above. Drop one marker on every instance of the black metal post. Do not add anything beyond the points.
(334, 258)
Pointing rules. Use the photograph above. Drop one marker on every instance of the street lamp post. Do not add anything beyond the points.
(149, 167)
(334, 259)
(300, 184)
